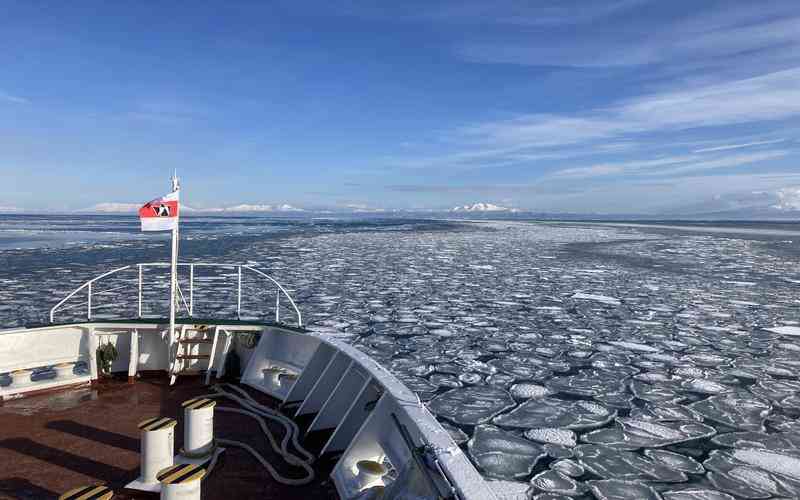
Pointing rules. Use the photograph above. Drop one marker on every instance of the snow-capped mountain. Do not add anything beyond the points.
(481, 207)
(788, 198)
(782, 203)
(259, 208)
(113, 208)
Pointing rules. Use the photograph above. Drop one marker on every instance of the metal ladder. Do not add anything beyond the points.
(190, 347)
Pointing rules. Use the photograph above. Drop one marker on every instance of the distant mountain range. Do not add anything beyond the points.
(483, 207)
(243, 208)
(112, 207)
(780, 204)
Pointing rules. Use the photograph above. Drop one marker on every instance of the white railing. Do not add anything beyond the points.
(187, 303)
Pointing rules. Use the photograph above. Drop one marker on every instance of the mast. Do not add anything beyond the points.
(173, 282)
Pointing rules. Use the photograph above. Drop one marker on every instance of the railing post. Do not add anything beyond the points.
(89, 303)
(239, 295)
(140, 290)
(277, 306)
(191, 290)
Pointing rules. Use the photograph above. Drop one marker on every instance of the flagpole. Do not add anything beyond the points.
(173, 282)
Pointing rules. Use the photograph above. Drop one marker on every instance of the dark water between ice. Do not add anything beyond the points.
(579, 360)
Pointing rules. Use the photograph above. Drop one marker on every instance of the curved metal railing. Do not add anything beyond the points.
(188, 304)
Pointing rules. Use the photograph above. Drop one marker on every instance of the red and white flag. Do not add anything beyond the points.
(160, 214)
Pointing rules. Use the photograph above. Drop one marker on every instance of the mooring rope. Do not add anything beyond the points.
(252, 408)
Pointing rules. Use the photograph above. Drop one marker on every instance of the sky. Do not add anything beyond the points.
(619, 106)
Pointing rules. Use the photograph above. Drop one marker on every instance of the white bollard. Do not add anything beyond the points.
(64, 370)
(158, 446)
(370, 473)
(181, 482)
(272, 375)
(21, 378)
(198, 427)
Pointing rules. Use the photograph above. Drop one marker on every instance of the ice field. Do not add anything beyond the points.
(568, 360)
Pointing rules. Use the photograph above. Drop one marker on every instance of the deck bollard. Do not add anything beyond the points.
(93, 491)
(198, 427)
(370, 473)
(21, 378)
(181, 482)
(64, 370)
(158, 446)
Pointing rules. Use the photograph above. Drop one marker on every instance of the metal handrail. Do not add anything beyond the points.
(190, 307)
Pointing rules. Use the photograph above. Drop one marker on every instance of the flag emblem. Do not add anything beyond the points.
(160, 214)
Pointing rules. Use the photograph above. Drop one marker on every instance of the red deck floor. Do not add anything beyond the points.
(54, 442)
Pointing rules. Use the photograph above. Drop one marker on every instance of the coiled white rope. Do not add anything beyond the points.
(292, 431)
(253, 409)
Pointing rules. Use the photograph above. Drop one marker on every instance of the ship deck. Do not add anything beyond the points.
(51, 443)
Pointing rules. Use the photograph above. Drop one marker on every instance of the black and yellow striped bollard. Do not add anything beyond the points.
(198, 427)
(158, 446)
(181, 482)
(92, 492)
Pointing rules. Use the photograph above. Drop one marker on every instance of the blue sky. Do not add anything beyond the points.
(615, 106)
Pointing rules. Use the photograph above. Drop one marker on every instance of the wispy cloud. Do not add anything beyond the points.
(737, 146)
(673, 165)
(740, 32)
(14, 99)
(769, 97)
(482, 13)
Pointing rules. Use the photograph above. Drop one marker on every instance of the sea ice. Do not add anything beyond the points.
(773, 461)
(597, 298)
(564, 437)
(471, 405)
(793, 331)
(556, 413)
(656, 393)
(738, 410)
(635, 433)
(552, 481)
(489, 444)
(613, 489)
(567, 467)
(633, 346)
(610, 463)
(754, 473)
(704, 386)
(750, 439)
(675, 461)
(529, 391)
(587, 383)
(696, 494)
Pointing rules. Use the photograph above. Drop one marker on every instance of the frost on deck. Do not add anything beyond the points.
(581, 361)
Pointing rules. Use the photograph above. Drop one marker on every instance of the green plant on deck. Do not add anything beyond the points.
(106, 355)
